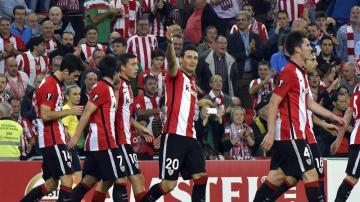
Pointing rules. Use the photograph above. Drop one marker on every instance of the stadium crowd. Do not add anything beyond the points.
(240, 47)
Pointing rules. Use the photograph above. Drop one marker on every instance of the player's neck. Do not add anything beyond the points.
(297, 60)
(108, 80)
(59, 75)
(155, 70)
(123, 76)
(91, 43)
(216, 92)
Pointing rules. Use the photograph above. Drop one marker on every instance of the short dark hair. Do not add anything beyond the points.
(147, 78)
(124, 58)
(282, 12)
(91, 27)
(264, 62)
(108, 67)
(325, 37)
(5, 19)
(314, 24)
(293, 40)
(120, 40)
(324, 69)
(34, 41)
(218, 36)
(320, 14)
(72, 63)
(157, 53)
(187, 48)
(19, 7)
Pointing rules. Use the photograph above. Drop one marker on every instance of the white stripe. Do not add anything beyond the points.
(94, 142)
(112, 163)
(298, 155)
(112, 112)
(184, 106)
(164, 157)
(40, 126)
(302, 101)
(356, 165)
(126, 155)
(60, 159)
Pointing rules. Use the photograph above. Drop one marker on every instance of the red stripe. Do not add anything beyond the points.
(145, 43)
(347, 181)
(311, 184)
(190, 121)
(350, 36)
(270, 185)
(126, 28)
(26, 64)
(93, 6)
(88, 51)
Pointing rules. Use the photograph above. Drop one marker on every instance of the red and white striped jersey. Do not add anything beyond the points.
(18, 44)
(142, 47)
(49, 94)
(27, 133)
(33, 66)
(354, 103)
(294, 8)
(309, 132)
(51, 45)
(124, 112)
(126, 23)
(87, 50)
(159, 77)
(101, 134)
(293, 87)
(180, 99)
(147, 102)
(156, 28)
(255, 27)
(266, 89)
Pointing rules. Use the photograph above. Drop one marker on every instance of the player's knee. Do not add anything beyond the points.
(352, 179)
(168, 186)
(51, 185)
(310, 176)
(120, 180)
(292, 181)
(276, 177)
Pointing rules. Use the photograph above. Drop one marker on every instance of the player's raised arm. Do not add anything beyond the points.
(170, 53)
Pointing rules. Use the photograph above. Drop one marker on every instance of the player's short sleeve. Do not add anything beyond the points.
(284, 82)
(47, 95)
(98, 96)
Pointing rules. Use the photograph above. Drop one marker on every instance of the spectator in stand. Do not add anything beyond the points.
(314, 34)
(178, 43)
(18, 27)
(209, 129)
(38, 6)
(281, 28)
(238, 137)
(349, 37)
(255, 26)
(60, 24)
(118, 46)
(156, 70)
(327, 52)
(198, 18)
(247, 49)
(218, 62)
(112, 37)
(148, 105)
(314, 83)
(3, 83)
(100, 14)
(51, 43)
(72, 97)
(27, 109)
(278, 60)
(97, 55)
(299, 25)
(12, 45)
(327, 26)
(17, 81)
(208, 40)
(33, 24)
(328, 84)
(6, 7)
(294, 8)
(89, 79)
(262, 87)
(349, 79)
(226, 10)
(91, 44)
(67, 46)
(125, 19)
(339, 10)
(56, 63)
(33, 61)
(144, 49)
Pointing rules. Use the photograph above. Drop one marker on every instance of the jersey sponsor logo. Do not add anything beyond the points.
(281, 83)
(95, 97)
(49, 96)
(138, 106)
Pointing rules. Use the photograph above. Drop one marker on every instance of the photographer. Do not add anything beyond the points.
(209, 129)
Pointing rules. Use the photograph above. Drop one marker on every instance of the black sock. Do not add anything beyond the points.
(79, 192)
(199, 189)
(264, 191)
(322, 187)
(280, 190)
(344, 191)
(153, 194)
(35, 194)
(313, 192)
(64, 194)
(120, 193)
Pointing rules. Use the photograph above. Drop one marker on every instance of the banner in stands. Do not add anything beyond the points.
(228, 181)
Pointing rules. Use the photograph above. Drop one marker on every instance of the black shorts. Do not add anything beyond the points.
(180, 154)
(103, 165)
(75, 160)
(56, 161)
(353, 166)
(129, 161)
(318, 161)
(293, 157)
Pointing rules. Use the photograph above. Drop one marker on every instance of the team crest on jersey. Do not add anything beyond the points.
(95, 97)
(122, 168)
(308, 161)
(138, 105)
(321, 170)
(170, 171)
(49, 96)
(69, 164)
(137, 165)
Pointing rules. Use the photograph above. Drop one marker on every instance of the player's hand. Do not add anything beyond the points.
(339, 120)
(28, 148)
(169, 33)
(267, 142)
(331, 128)
(77, 51)
(147, 134)
(9, 47)
(77, 110)
(157, 142)
(72, 142)
(335, 146)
